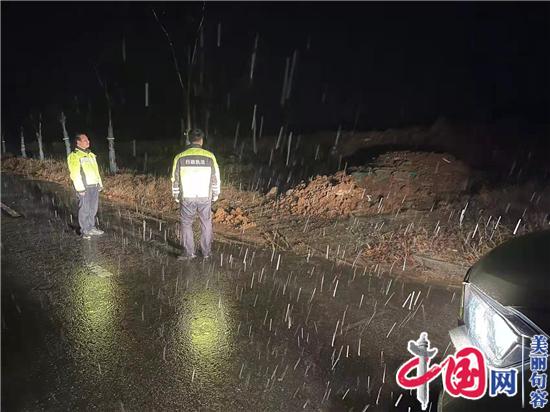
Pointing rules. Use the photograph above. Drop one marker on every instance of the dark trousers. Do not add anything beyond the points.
(188, 209)
(87, 209)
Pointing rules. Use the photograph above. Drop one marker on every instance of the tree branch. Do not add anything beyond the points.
(172, 49)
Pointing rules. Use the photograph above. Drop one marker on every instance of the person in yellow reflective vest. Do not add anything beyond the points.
(87, 183)
(195, 185)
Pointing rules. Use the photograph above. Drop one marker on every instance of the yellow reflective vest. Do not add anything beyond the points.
(83, 169)
(195, 174)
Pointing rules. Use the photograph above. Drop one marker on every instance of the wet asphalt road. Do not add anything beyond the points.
(117, 323)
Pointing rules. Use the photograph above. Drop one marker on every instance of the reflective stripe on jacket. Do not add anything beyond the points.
(83, 169)
(195, 174)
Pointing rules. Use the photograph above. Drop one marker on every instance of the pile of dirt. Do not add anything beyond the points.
(413, 180)
(323, 196)
(394, 181)
(235, 217)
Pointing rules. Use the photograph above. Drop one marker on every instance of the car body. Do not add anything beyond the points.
(505, 301)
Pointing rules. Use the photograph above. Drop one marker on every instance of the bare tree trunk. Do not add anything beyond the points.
(188, 94)
(194, 110)
(39, 137)
(191, 62)
(206, 122)
(3, 143)
(110, 134)
(201, 72)
(182, 131)
(23, 149)
(178, 71)
(184, 136)
(111, 140)
(63, 121)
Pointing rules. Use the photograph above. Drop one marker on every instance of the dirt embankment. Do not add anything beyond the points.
(140, 190)
(404, 209)
(407, 209)
(148, 193)
(395, 181)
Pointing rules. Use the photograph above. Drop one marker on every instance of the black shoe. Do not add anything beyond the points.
(185, 258)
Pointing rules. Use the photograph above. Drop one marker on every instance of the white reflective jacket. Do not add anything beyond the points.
(195, 175)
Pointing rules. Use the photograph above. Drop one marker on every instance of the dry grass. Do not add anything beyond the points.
(49, 169)
(489, 220)
(452, 245)
(145, 192)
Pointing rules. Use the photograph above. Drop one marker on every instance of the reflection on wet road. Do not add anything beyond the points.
(116, 323)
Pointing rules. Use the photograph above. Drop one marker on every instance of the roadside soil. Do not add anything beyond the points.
(416, 213)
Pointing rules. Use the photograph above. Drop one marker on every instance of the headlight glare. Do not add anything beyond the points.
(495, 329)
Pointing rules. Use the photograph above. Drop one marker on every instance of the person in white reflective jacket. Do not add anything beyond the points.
(195, 185)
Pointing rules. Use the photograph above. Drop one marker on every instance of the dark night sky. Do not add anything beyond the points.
(403, 63)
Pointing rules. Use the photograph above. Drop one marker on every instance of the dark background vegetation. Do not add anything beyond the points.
(380, 64)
